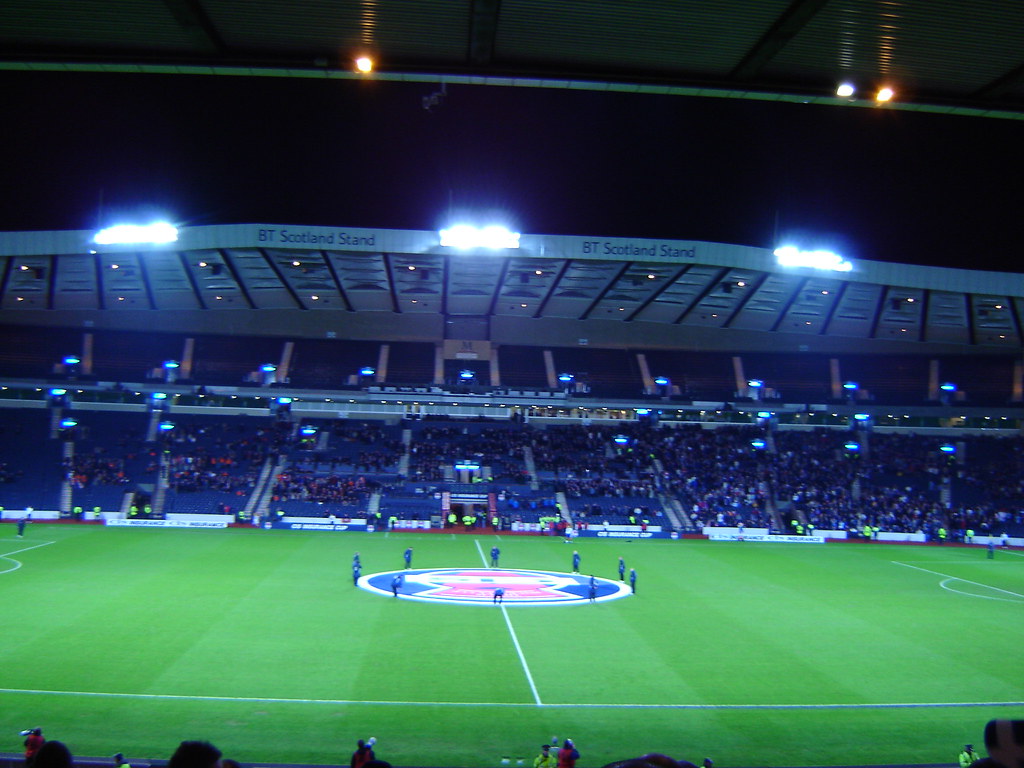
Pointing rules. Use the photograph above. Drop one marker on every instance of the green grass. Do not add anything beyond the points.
(208, 622)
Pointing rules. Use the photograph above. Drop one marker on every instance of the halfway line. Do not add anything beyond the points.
(512, 704)
(512, 632)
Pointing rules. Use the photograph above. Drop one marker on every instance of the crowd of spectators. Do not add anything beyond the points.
(335, 489)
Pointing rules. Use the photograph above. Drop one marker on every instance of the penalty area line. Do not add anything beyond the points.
(957, 578)
(509, 704)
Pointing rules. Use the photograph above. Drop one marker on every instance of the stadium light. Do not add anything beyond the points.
(845, 90)
(72, 360)
(948, 387)
(861, 416)
(308, 431)
(852, 446)
(367, 370)
(283, 400)
(166, 426)
(466, 465)
(661, 381)
(758, 444)
(755, 383)
(851, 385)
(643, 411)
(884, 95)
(364, 65)
(57, 392)
(172, 364)
(947, 448)
(620, 440)
(565, 378)
(159, 395)
(764, 414)
(790, 256)
(268, 368)
(68, 423)
(155, 234)
(466, 375)
(466, 237)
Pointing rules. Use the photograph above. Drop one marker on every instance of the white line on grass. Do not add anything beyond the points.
(957, 578)
(5, 556)
(515, 640)
(510, 704)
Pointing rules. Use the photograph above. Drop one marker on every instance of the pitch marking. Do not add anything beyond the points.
(512, 704)
(17, 563)
(515, 639)
(947, 578)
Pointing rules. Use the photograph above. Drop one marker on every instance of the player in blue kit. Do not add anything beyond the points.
(495, 554)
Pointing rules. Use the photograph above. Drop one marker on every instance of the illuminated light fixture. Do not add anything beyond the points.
(850, 385)
(57, 392)
(159, 395)
(115, 266)
(23, 268)
(466, 375)
(367, 370)
(565, 378)
(158, 232)
(412, 267)
(364, 64)
(642, 411)
(620, 440)
(283, 400)
(758, 444)
(170, 364)
(314, 297)
(948, 387)
(268, 368)
(72, 360)
(764, 414)
(307, 431)
(661, 381)
(538, 273)
(465, 237)
(68, 423)
(790, 256)
(296, 263)
(203, 264)
(884, 95)
(166, 426)
(755, 383)
(845, 90)
(851, 446)
(861, 416)
(466, 465)
(947, 448)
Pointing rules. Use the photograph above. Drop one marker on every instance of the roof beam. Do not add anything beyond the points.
(192, 17)
(483, 29)
(1001, 84)
(782, 31)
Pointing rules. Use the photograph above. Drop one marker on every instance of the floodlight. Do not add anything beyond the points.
(565, 378)
(642, 411)
(159, 395)
(72, 360)
(755, 383)
(156, 233)
(307, 431)
(851, 385)
(884, 94)
(283, 400)
(758, 444)
(466, 375)
(851, 446)
(661, 381)
(620, 439)
(790, 256)
(947, 448)
(845, 90)
(172, 364)
(166, 426)
(366, 370)
(466, 237)
(861, 416)
(948, 387)
(57, 392)
(364, 64)
(764, 414)
(268, 368)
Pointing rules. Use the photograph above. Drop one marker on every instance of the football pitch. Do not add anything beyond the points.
(752, 654)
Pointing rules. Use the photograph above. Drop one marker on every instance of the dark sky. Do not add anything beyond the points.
(872, 183)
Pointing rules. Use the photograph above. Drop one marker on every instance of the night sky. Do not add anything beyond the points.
(876, 183)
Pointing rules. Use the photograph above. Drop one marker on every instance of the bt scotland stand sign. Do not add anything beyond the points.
(476, 586)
